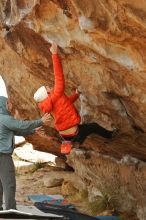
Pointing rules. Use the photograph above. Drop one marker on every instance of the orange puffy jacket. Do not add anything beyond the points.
(60, 105)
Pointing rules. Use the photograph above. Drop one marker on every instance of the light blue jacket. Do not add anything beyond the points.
(9, 127)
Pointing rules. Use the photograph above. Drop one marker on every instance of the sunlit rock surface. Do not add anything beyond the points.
(103, 51)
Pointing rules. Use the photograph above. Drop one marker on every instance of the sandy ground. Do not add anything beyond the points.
(29, 183)
(29, 180)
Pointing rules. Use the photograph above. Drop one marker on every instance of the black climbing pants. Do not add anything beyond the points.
(86, 129)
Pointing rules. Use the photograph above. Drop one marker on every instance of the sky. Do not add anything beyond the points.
(3, 91)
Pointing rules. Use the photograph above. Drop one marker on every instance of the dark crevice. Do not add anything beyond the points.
(138, 129)
(113, 95)
(69, 168)
(7, 9)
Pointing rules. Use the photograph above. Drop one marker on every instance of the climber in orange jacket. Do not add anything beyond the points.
(61, 107)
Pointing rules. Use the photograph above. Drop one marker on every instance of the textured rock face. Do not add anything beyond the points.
(103, 51)
(104, 176)
(102, 46)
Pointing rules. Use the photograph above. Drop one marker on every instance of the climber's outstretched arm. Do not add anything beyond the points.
(58, 71)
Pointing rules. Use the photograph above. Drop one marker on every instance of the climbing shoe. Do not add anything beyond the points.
(66, 147)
